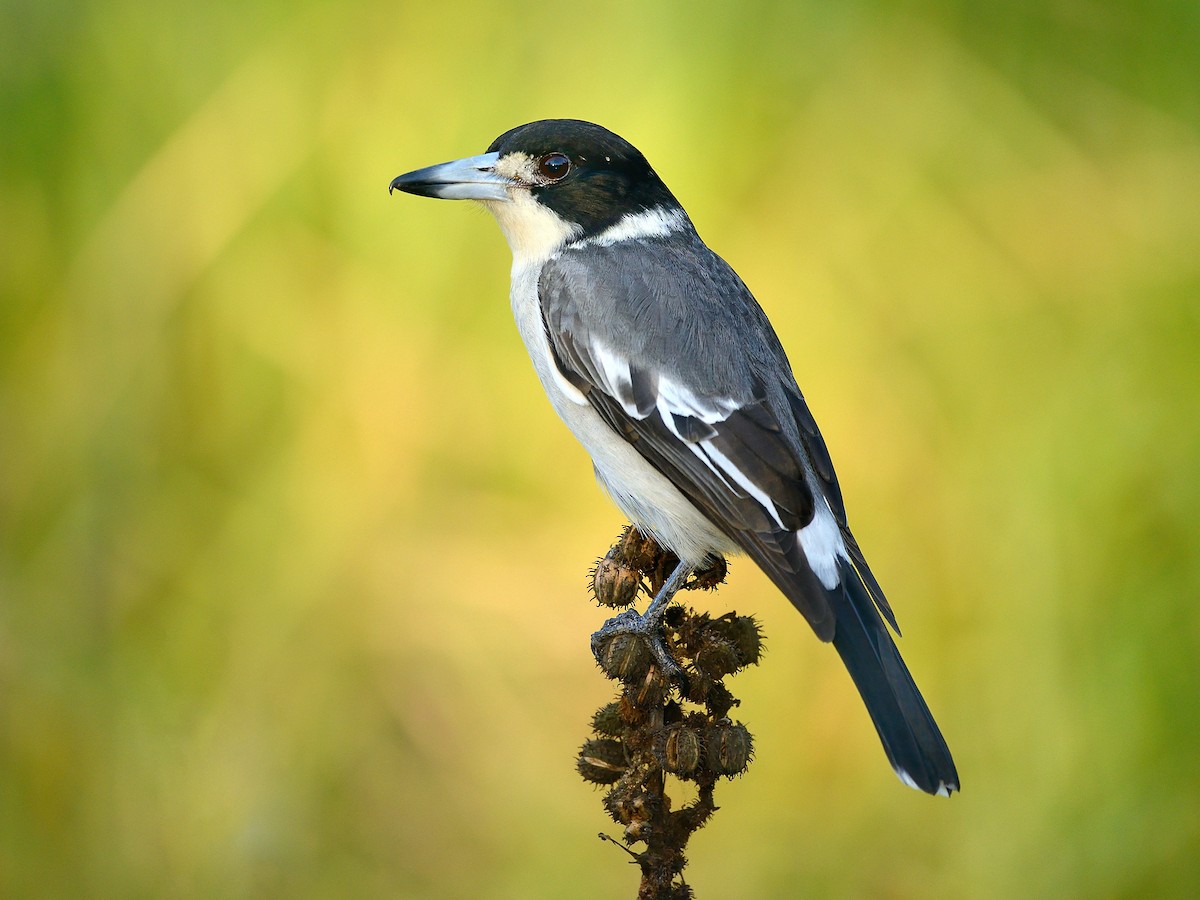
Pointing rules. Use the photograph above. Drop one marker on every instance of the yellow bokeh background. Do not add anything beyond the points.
(293, 551)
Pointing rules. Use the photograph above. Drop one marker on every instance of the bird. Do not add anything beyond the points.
(660, 361)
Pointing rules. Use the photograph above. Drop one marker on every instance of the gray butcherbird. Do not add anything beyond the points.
(663, 365)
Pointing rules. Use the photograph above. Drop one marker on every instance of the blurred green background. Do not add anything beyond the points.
(293, 550)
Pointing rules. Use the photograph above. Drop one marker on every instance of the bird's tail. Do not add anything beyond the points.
(910, 737)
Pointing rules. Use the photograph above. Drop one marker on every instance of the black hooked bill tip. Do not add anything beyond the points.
(406, 183)
(412, 185)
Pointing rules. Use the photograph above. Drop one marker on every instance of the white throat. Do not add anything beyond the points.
(534, 232)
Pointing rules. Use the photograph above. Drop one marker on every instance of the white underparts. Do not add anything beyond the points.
(643, 493)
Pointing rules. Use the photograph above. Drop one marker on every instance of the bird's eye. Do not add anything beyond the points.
(554, 166)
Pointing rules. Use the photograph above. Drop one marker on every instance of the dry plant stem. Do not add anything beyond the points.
(669, 717)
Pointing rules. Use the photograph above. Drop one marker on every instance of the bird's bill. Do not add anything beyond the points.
(473, 178)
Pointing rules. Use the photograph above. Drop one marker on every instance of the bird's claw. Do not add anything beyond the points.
(647, 631)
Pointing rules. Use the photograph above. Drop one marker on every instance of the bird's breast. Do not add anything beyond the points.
(643, 493)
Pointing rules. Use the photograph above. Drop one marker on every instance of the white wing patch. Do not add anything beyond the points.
(615, 377)
(678, 399)
(737, 475)
(821, 540)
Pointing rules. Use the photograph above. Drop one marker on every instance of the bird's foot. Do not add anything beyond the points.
(628, 644)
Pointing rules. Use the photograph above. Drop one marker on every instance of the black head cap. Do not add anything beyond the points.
(605, 178)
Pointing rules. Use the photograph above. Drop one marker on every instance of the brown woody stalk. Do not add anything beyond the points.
(664, 723)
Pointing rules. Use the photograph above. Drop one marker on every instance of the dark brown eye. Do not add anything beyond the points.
(554, 166)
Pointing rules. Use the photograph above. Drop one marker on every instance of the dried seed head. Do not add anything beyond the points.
(680, 751)
(674, 616)
(652, 690)
(716, 656)
(607, 720)
(625, 656)
(638, 551)
(709, 577)
(698, 689)
(728, 749)
(745, 635)
(601, 761)
(614, 584)
(718, 699)
(617, 805)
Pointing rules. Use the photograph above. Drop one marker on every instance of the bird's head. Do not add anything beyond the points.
(551, 182)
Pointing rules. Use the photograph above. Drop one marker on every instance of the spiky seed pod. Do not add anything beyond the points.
(617, 805)
(674, 616)
(745, 635)
(691, 629)
(614, 584)
(652, 690)
(718, 699)
(680, 751)
(625, 656)
(607, 720)
(601, 761)
(698, 689)
(636, 550)
(728, 749)
(709, 577)
(717, 656)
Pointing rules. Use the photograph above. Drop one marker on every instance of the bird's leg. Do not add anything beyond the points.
(658, 606)
(647, 624)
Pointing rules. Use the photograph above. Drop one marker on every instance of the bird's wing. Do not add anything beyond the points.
(678, 359)
(706, 396)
